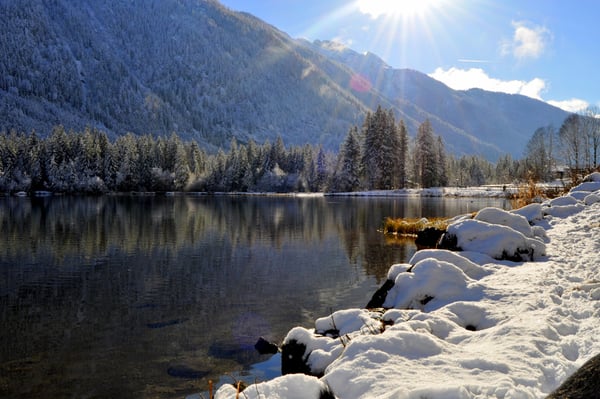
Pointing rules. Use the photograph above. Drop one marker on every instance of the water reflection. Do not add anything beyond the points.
(116, 296)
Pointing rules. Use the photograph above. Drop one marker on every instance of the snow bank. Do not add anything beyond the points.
(463, 325)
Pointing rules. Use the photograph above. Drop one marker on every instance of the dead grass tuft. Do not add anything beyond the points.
(412, 226)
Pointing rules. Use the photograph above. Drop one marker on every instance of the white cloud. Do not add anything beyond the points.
(528, 42)
(464, 79)
(572, 105)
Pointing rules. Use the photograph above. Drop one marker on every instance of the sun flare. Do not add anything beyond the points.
(394, 8)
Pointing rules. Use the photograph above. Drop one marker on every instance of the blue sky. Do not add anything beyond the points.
(546, 49)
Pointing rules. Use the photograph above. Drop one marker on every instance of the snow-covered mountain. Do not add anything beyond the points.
(208, 73)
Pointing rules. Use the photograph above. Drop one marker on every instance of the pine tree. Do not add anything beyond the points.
(370, 152)
(389, 151)
(402, 155)
(321, 171)
(348, 176)
(442, 176)
(426, 156)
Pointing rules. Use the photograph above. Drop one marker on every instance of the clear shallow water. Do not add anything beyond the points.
(154, 296)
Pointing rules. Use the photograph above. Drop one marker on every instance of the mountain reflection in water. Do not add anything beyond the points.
(152, 296)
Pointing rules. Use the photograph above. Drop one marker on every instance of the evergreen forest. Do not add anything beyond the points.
(379, 155)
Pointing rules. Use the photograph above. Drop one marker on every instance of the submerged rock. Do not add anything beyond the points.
(293, 358)
(379, 296)
(186, 372)
(265, 347)
(428, 237)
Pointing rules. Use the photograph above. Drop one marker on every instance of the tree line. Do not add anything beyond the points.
(378, 155)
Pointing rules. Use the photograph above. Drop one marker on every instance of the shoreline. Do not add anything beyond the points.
(473, 324)
(492, 191)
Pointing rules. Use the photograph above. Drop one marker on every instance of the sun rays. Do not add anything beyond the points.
(395, 8)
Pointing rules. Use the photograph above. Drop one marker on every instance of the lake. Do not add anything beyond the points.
(146, 297)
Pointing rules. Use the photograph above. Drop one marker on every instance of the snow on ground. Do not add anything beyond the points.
(466, 325)
(492, 191)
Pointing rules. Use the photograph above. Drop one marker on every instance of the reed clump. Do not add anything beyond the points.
(412, 226)
(531, 192)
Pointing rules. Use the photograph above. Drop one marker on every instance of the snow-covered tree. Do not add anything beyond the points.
(350, 168)
(426, 156)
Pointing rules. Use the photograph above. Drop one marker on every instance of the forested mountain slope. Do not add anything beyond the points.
(470, 121)
(199, 69)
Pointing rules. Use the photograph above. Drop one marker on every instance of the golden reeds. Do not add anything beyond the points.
(411, 226)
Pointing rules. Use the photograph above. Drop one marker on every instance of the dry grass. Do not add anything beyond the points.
(531, 192)
(411, 226)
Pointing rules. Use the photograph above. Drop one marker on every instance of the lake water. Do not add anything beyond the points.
(147, 297)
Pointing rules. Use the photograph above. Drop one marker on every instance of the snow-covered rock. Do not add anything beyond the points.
(505, 218)
(563, 201)
(531, 212)
(468, 267)
(587, 186)
(563, 211)
(431, 284)
(591, 199)
(578, 195)
(514, 332)
(595, 176)
(497, 241)
(294, 386)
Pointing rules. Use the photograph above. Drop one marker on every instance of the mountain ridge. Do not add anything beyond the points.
(211, 74)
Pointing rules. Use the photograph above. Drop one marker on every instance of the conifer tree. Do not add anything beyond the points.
(426, 156)
(442, 176)
(349, 172)
(402, 155)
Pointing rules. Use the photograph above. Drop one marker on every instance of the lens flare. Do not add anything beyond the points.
(360, 83)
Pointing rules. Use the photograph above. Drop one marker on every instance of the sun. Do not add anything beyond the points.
(395, 8)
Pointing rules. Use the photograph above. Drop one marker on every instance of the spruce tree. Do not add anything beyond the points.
(348, 178)
(442, 176)
(426, 156)
(402, 155)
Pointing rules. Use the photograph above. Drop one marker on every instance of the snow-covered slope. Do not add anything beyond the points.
(208, 73)
(466, 325)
